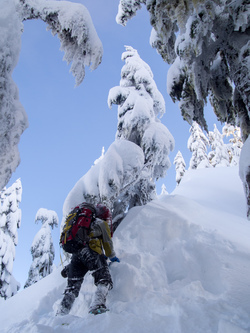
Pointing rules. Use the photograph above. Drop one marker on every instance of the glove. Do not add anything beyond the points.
(64, 272)
(115, 259)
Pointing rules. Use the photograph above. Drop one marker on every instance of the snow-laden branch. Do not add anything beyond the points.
(207, 43)
(210, 54)
(73, 25)
(127, 9)
(47, 216)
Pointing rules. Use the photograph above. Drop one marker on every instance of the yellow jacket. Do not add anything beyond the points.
(100, 238)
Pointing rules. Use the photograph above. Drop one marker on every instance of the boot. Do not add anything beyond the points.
(99, 300)
(70, 294)
(66, 304)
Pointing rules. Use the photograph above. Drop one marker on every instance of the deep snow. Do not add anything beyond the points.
(184, 268)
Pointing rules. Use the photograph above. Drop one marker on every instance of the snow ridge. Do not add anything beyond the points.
(184, 268)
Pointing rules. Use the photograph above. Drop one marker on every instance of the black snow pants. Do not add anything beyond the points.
(81, 262)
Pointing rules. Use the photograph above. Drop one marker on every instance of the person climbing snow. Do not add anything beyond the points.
(96, 246)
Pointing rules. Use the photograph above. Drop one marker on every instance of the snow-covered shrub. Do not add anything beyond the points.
(10, 221)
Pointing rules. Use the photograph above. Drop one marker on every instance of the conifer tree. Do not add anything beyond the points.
(235, 143)
(164, 190)
(207, 44)
(210, 50)
(125, 176)
(10, 221)
(197, 144)
(139, 106)
(180, 167)
(219, 156)
(42, 249)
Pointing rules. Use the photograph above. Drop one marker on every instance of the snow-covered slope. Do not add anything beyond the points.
(184, 268)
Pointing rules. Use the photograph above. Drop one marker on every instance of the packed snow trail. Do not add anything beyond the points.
(184, 269)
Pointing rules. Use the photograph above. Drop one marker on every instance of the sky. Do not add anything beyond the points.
(68, 125)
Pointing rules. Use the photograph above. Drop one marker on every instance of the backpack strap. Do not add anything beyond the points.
(67, 225)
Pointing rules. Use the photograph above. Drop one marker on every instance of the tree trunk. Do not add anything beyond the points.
(247, 191)
(244, 172)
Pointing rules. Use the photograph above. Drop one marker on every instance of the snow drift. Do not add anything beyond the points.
(184, 268)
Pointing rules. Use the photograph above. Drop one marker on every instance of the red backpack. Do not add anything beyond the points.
(77, 227)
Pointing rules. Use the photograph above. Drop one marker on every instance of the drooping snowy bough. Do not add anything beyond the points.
(72, 23)
(79, 41)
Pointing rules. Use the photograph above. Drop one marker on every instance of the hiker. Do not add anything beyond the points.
(90, 257)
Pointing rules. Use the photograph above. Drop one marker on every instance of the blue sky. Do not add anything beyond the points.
(68, 126)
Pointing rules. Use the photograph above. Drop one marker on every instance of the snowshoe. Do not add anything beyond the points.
(98, 310)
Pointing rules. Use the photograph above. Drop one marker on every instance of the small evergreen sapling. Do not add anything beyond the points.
(235, 143)
(180, 167)
(197, 144)
(219, 156)
(42, 249)
(164, 190)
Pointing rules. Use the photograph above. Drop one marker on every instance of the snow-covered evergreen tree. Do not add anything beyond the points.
(139, 106)
(79, 41)
(205, 58)
(219, 156)
(207, 43)
(197, 144)
(235, 143)
(125, 176)
(10, 221)
(164, 190)
(42, 248)
(180, 167)
(13, 117)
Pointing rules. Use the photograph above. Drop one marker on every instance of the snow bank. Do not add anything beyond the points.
(123, 161)
(184, 268)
